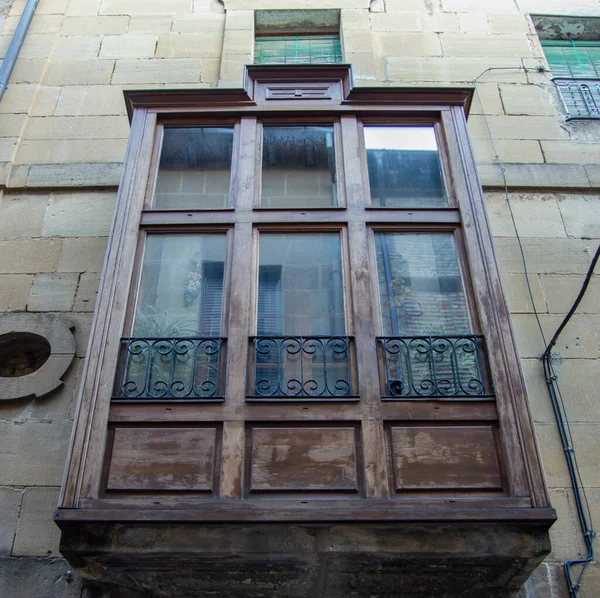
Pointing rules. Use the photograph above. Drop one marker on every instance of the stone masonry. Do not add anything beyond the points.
(63, 132)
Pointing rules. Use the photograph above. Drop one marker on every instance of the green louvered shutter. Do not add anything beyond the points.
(298, 49)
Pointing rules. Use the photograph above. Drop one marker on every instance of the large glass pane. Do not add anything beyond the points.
(194, 169)
(404, 167)
(420, 285)
(181, 289)
(300, 350)
(298, 167)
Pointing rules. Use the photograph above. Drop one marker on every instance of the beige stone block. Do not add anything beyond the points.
(237, 19)
(36, 532)
(73, 175)
(14, 291)
(83, 324)
(60, 151)
(85, 298)
(559, 176)
(531, 100)
(88, 100)
(205, 23)
(365, 67)
(10, 499)
(405, 5)
(593, 174)
(497, 46)
(356, 19)
(509, 23)
(536, 215)
(11, 124)
(28, 71)
(581, 215)
(473, 22)
(18, 98)
(487, 99)
(544, 256)
(395, 21)
(510, 151)
(34, 46)
(78, 215)
(552, 455)
(84, 254)
(52, 292)
(438, 22)
(45, 101)
(94, 25)
(232, 70)
(236, 41)
(577, 341)
(83, 8)
(572, 152)
(192, 45)
(39, 24)
(18, 176)
(150, 24)
(33, 452)
(29, 256)
(450, 70)
(537, 390)
(516, 127)
(22, 215)
(79, 72)
(409, 44)
(591, 582)
(561, 292)
(472, 5)
(128, 46)
(8, 145)
(565, 537)
(517, 293)
(183, 70)
(77, 127)
(147, 7)
(82, 46)
(211, 67)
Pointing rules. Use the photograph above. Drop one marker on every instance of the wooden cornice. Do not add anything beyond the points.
(186, 99)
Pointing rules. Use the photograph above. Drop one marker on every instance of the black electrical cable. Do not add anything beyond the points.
(556, 398)
(585, 520)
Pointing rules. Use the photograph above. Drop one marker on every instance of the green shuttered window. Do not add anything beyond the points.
(576, 70)
(298, 49)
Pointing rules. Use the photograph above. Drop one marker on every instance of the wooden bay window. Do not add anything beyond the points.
(301, 323)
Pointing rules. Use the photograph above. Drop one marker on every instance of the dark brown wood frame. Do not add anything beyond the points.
(83, 497)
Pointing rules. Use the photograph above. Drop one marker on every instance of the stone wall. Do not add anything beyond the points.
(63, 131)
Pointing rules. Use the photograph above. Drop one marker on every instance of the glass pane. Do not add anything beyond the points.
(420, 285)
(404, 167)
(181, 290)
(194, 169)
(300, 284)
(298, 49)
(298, 167)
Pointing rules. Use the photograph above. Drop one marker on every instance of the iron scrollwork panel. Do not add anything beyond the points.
(170, 369)
(435, 367)
(302, 367)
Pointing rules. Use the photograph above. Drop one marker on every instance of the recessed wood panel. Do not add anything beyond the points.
(444, 458)
(303, 459)
(165, 459)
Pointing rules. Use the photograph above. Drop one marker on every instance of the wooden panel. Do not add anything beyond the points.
(444, 458)
(303, 459)
(166, 459)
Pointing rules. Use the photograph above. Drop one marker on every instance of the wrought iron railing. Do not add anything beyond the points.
(170, 368)
(453, 366)
(302, 367)
(580, 97)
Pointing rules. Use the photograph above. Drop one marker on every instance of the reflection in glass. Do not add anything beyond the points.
(404, 167)
(300, 284)
(298, 167)
(194, 169)
(181, 289)
(420, 285)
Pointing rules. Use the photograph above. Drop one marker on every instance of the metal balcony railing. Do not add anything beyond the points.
(302, 367)
(170, 369)
(419, 367)
(580, 97)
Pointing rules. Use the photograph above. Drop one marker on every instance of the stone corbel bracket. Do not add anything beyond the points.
(57, 332)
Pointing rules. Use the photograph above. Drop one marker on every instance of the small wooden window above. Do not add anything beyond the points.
(297, 37)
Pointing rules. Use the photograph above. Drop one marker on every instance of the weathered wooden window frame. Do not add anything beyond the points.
(82, 494)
